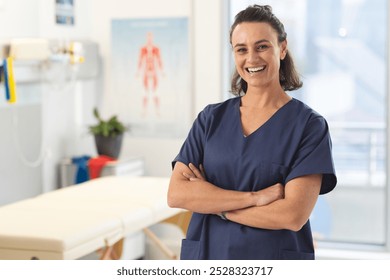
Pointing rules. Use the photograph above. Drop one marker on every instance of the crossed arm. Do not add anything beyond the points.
(275, 207)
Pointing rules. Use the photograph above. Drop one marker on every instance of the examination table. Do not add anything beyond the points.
(72, 222)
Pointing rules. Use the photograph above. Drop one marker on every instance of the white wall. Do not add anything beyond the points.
(18, 18)
(80, 29)
(62, 117)
(205, 21)
(17, 180)
(46, 113)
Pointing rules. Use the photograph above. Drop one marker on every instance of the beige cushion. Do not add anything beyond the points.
(74, 221)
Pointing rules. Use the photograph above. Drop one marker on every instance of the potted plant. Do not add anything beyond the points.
(108, 135)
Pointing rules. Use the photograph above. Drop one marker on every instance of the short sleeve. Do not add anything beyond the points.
(314, 155)
(193, 147)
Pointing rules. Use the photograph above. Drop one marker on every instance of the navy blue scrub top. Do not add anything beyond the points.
(294, 142)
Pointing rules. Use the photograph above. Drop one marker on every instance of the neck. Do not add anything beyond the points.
(263, 99)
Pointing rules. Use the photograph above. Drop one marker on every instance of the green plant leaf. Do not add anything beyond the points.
(96, 114)
(111, 127)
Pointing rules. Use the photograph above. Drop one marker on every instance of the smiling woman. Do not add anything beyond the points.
(329, 40)
(260, 57)
(257, 51)
(252, 167)
(274, 42)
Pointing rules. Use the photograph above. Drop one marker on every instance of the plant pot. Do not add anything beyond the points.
(109, 146)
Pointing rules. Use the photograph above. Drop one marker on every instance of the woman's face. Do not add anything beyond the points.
(257, 54)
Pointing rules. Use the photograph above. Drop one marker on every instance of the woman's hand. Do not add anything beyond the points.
(270, 194)
(198, 174)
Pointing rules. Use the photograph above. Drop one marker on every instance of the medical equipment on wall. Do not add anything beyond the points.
(57, 64)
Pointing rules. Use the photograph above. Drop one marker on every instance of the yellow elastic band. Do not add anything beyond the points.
(11, 80)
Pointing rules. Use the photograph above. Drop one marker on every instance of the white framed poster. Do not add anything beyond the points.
(151, 75)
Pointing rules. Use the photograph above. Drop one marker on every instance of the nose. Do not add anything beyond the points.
(252, 56)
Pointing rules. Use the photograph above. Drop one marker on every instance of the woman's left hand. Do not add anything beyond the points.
(198, 174)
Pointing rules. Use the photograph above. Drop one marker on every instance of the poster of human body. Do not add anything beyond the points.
(151, 75)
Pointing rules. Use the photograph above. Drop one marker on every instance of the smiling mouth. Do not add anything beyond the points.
(253, 70)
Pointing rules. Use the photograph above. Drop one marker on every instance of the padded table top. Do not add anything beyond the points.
(71, 222)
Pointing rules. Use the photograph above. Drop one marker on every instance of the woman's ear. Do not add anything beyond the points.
(283, 49)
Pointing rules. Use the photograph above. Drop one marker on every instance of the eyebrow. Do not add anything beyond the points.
(256, 43)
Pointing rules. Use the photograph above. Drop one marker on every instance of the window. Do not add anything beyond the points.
(340, 48)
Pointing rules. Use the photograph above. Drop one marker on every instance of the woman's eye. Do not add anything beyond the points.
(240, 50)
(262, 47)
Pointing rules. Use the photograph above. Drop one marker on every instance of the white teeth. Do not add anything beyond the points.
(256, 69)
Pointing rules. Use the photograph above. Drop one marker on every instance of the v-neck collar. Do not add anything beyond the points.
(274, 115)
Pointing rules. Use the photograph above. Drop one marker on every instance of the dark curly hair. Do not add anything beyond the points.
(288, 76)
